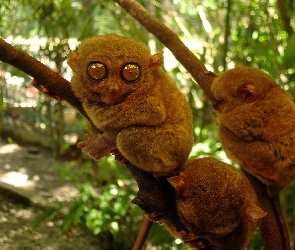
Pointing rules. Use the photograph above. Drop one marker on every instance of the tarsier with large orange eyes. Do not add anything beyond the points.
(256, 124)
(134, 106)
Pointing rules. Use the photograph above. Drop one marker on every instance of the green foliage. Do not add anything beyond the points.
(256, 242)
(103, 205)
(10, 140)
(160, 237)
(255, 37)
(100, 209)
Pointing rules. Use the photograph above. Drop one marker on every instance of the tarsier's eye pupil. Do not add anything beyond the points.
(130, 72)
(97, 71)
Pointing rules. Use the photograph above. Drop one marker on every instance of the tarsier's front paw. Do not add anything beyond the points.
(45, 90)
(195, 242)
(93, 147)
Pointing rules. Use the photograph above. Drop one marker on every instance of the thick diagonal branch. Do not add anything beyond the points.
(192, 64)
(273, 227)
(40, 72)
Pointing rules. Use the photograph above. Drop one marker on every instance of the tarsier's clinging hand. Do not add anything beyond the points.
(256, 121)
(136, 106)
(216, 202)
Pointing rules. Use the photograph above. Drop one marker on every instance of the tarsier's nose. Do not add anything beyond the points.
(114, 88)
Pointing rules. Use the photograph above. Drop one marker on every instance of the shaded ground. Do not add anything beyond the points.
(32, 171)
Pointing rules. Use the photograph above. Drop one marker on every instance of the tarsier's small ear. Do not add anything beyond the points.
(247, 92)
(74, 61)
(178, 183)
(156, 61)
(252, 212)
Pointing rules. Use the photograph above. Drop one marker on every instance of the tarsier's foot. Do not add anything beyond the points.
(185, 236)
(93, 147)
(153, 217)
(45, 90)
(197, 244)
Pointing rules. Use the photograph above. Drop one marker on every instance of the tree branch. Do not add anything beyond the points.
(192, 64)
(273, 227)
(226, 34)
(156, 197)
(143, 234)
(40, 72)
(285, 17)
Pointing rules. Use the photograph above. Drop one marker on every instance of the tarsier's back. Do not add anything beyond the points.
(256, 121)
(217, 202)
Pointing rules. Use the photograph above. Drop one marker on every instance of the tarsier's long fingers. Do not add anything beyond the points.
(45, 90)
(95, 147)
(88, 137)
(198, 243)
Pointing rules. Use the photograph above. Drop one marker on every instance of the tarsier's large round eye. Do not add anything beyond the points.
(97, 71)
(130, 72)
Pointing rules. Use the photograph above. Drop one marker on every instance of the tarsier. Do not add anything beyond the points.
(256, 121)
(216, 202)
(138, 110)
(134, 106)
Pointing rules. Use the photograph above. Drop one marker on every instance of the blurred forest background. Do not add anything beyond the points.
(222, 34)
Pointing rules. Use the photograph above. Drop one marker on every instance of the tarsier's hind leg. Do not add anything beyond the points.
(155, 149)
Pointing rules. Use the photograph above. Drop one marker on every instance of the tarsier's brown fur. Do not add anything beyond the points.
(149, 120)
(215, 201)
(256, 124)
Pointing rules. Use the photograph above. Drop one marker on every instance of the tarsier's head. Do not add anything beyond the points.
(240, 86)
(109, 68)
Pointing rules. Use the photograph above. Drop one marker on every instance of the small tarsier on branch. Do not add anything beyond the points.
(134, 106)
(216, 202)
(256, 121)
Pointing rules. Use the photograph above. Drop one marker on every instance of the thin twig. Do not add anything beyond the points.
(275, 202)
(143, 234)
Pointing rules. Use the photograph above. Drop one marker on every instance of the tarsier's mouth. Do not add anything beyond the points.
(111, 98)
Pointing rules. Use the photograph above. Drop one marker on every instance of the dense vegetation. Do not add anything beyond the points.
(223, 34)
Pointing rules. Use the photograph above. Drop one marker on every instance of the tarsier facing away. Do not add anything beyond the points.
(256, 123)
(135, 107)
(216, 202)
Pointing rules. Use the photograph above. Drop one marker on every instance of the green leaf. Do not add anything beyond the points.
(71, 216)
(45, 215)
